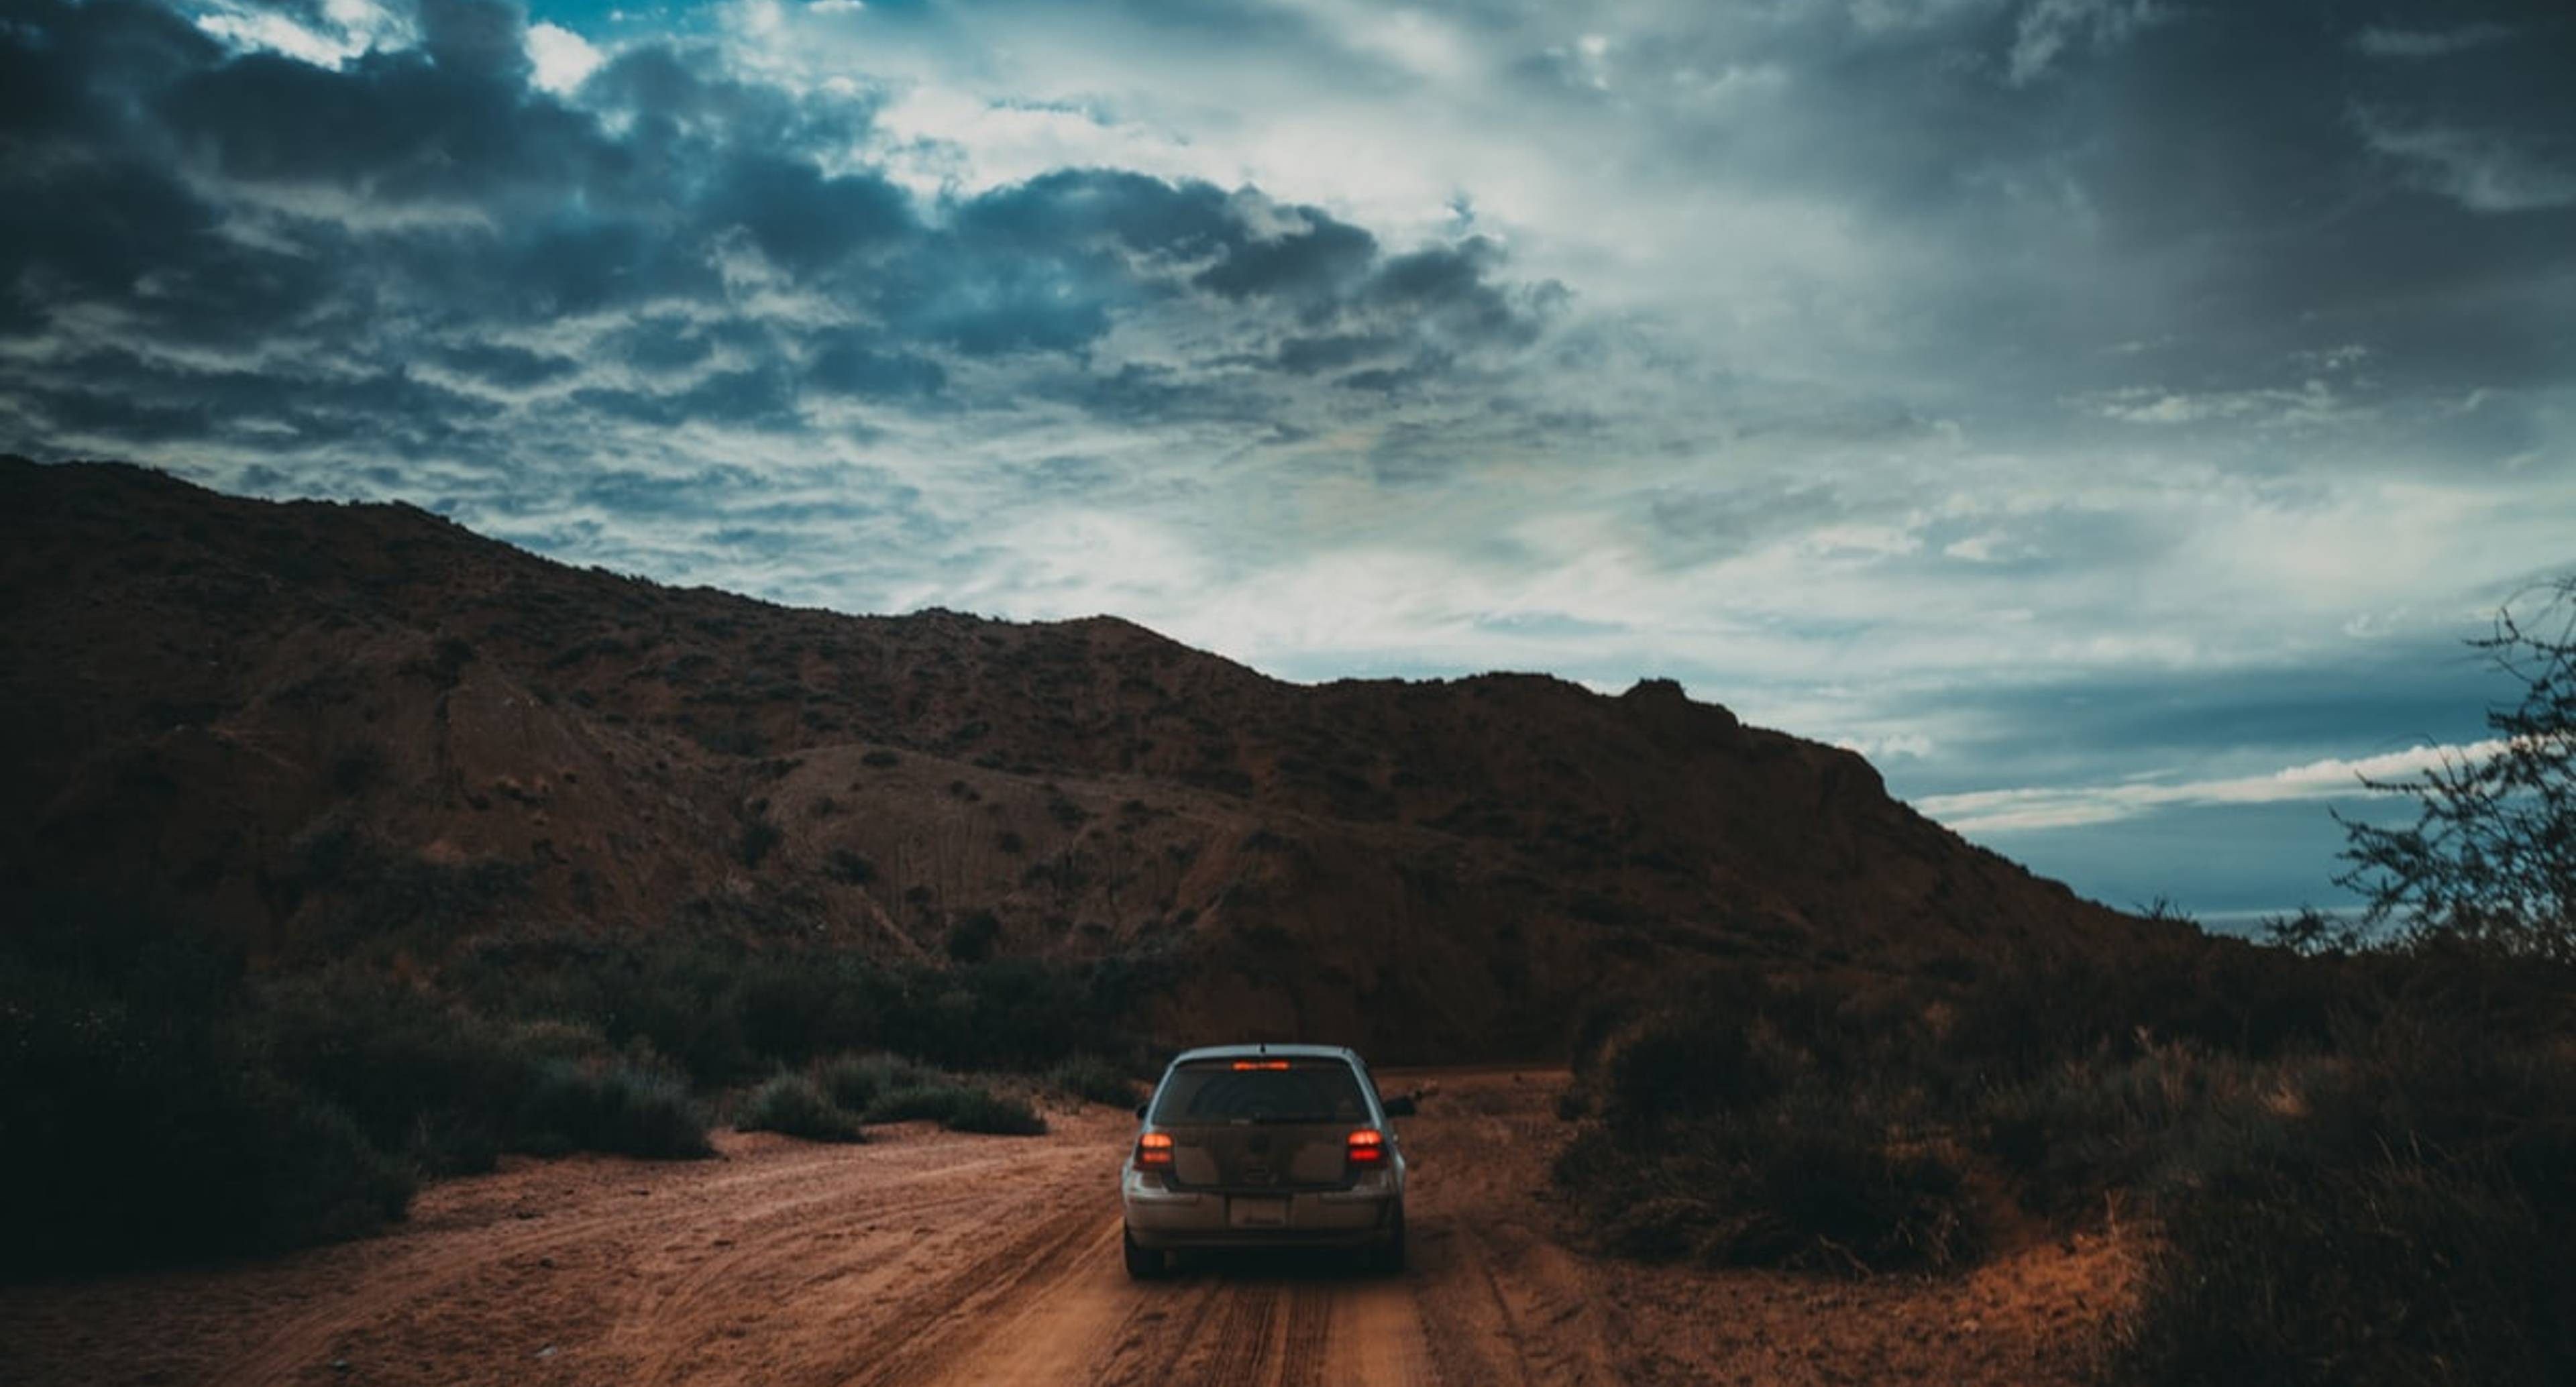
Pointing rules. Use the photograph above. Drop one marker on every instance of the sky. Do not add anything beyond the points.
(2109, 416)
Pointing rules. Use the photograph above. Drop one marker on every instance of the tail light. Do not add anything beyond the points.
(1154, 1151)
(1367, 1147)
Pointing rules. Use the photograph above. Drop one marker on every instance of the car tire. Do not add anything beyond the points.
(1143, 1263)
(1387, 1258)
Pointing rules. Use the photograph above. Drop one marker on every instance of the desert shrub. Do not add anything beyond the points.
(2029, 1013)
(2361, 1169)
(1093, 1080)
(421, 1077)
(759, 836)
(2396, 1270)
(791, 1009)
(855, 1082)
(729, 1011)
(124, 1150)
(1808, 1180)
(1725, 1140)
(1690, 1066)
(2095, 1124)
(2404, 1215)
(449, 1088)
(623, 1106)
(795, 1105)
(930, 1102)
(970, 939)
(136, 1132)
(982, 1110)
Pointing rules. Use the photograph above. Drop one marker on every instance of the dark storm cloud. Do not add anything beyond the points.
(2239, 182)
(430, 205)
(865, 363)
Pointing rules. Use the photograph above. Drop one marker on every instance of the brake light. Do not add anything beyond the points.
(1366, 1147)
(1260, 1064)
(1154, 1151)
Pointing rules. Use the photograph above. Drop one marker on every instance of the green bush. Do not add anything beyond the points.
(795, 1105)
(1093, 1080)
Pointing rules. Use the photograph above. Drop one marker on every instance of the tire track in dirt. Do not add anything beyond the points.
(1240, 1338)
(426, 1270)
(930, 1329)
(716, 1280)
(1155, 1331)
(1306, 1336)
(1378, 1334)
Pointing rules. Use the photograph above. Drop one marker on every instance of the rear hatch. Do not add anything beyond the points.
(1260, 1124)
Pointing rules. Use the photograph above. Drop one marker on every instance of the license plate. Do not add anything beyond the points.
(1258, 1213)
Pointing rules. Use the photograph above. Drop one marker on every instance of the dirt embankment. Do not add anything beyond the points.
(930, 1258)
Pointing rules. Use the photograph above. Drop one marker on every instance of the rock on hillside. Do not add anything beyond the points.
(313, 724)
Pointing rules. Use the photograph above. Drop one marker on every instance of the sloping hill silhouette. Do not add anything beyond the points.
(309, 724)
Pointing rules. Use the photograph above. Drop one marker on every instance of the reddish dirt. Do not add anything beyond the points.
(926, 1257)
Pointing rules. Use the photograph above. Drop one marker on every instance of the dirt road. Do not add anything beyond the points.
(928, 1258)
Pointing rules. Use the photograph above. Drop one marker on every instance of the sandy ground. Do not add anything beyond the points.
(925, 1257)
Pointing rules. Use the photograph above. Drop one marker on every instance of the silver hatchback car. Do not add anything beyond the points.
(1265, 1146)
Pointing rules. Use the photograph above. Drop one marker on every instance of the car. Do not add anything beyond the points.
(1265, 1146)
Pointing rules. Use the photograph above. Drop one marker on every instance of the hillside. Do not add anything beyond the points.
(312, 725)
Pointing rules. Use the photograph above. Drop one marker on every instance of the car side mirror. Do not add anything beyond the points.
(1140, 1108)
(1399, 1107)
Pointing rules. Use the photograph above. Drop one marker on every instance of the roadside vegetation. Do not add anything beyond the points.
(2354, 1146)
(2356, 1166)
(160, 1102)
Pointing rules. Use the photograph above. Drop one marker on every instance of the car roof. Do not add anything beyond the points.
(1273, 1051)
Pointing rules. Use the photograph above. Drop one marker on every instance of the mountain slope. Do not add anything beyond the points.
(312, 725)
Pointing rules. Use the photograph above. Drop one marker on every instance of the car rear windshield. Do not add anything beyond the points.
(1260, 1091)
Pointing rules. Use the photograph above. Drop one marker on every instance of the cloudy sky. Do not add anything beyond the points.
(2110, 415)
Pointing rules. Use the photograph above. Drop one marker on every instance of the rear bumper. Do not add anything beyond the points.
(1163, 1218)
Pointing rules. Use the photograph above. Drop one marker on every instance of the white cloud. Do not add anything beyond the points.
(2310, 402)
(1987, 811)
(341, 30)
(2381, 42)
(563, 59)
(2049, 27)
(2482, 170)
(1891, 746)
